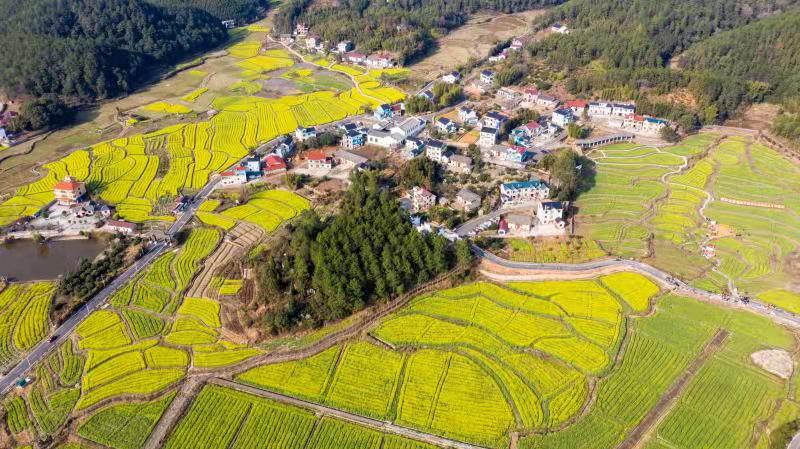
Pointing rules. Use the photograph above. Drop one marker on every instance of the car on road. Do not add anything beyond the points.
(52, 338)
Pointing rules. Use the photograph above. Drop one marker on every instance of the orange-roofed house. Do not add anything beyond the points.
(69, 191)
(273, 164)
(318, 160)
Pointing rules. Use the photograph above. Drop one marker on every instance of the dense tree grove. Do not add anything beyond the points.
(239, 10)
(83, 50)
(330, 268)
(406, 27)
(636, 40)
(570, 174)
(787, 124)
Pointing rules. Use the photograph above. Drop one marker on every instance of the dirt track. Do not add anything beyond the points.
(657, 413)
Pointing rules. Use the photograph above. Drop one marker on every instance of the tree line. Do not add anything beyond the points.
(406, 27)
(330, 267)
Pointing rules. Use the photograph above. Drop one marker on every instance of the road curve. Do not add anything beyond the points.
(641, 267)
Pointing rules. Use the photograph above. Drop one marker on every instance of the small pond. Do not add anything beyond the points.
(26, 260)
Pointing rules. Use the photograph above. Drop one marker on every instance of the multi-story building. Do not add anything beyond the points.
(523, 191)
(436, 151)
(562, 117)
(302, 133)
(353, 139)
(421, 199)
(69, 191)
(494, 119)
(550, 211)
(318, 160)
(487, 137)
(467, 200)
(460, 164)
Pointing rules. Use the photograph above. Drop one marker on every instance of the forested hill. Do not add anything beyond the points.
(239, 10)
(644, 33)
(406, 27)
(89, 49)
(765, 53)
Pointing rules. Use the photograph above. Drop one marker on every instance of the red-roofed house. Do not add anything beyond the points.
(273, 164)
(530, 94)
(234, 177)
(318, 160)
(577, 106)
(69, 191)
(355, 58)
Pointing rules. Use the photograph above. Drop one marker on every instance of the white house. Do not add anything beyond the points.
(313, 42)
(467, 116)
(355, 58)
(384, 139)
(302, 133)
(353, 139)
(234, 177)
(452, 77)
(412, 148)
(122, 227)
(530, 94)
(301, 29)
(546, 101)
(550, 211)
(487, 77)
(436, 151)
(460, 164)
(559, 28)
(349, 160)
(318, 160)
(445, 125)
(494, 120)
(524, 191)
(599, 109)
(380, 60)
(562, 117)
(518, 223)
(344, 46)
(488, 137)
(421, 199)
(508, 94)
(622, 109)
(409, 127)
(468, 200)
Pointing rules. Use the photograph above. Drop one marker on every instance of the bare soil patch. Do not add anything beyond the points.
(775, 361)
(758, 116)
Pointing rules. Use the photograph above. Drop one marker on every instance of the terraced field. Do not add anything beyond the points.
(142, 173)
(738, 197)
(267, 210)
(475, 362)
(24, 318)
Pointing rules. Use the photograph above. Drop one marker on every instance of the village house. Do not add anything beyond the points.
(460, 164)
(355, 58)
(523, 191)
(350, 160)
(467, 116)
(384, 139)
(4, 139)
(550, 211)
(383, 112)
(344, 46)
(318, 160)
(487, 137)
(412, 148)
(273, 165)
(642, 124)
(487, 77)
(530, 95)
(286, 39)
(524, 134)
(380, 60)
(517, 43)
(421, 199)
(467, 200)
(69, 191)
(445, 125)
(301, 29)
(436, 151)
(313, 42)
(562, 117)
(409, 127)
(236, 176)
(577, 106)
(547, 101)
(252, 167)
(518, 223)
(353, 139)
(229, 24)
(451, 77)
(622, 109)
(559, 28)
(119, 226)
(494, 120)
(284, 147)
(302, 133)
(509, 94)
(599, 109)
(427, 94)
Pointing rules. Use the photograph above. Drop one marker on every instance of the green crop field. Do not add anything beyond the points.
(24, 318)
(251, 422)
(736, 197)
(485, 359)
(124, 426)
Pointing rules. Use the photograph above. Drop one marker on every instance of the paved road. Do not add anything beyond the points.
(383, 426)
(98, 301)
(642, 267)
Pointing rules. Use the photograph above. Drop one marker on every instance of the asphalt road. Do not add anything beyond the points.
(642, 267)
(41, 350)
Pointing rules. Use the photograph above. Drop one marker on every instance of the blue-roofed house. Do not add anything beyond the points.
(383, 112)
(285, 147)
(252, 166)
(523, 191)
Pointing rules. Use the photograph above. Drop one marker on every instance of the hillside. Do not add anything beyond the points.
(240, 10)
(765, 54)
(407, 28)
(90, 49)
